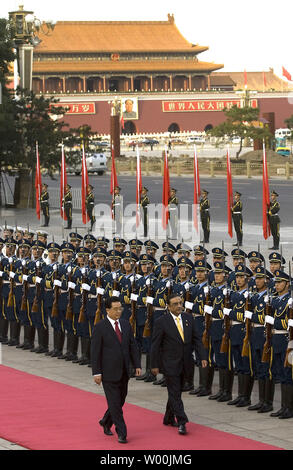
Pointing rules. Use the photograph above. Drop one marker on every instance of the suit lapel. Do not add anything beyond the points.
(113, 332)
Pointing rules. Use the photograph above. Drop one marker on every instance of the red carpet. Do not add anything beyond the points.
(42, 414)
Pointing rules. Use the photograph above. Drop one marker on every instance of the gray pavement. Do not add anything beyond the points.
(219, 416)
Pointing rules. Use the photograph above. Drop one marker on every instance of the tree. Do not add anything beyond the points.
(241, 123)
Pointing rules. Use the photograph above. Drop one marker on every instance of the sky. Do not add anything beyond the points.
(253, 34)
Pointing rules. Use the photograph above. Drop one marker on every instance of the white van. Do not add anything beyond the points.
(283, 133)
(95, 162)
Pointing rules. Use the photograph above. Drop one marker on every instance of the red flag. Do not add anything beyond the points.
(196, 193)
(166, 192)
(84, 184)
(245, 79)
(38, 183)
(265, 195)
(63, 183)
(286, 74)
(138, 185)
(229, 195)
(122, 121)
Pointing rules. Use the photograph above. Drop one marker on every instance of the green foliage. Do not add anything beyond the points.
(241, 123)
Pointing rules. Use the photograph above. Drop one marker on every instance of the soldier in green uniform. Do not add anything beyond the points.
(67, 204)
(44, 200)
(90, 204)
(173, 214)
(237, 218)
(144, 202)
(204, 207)
(274, 220)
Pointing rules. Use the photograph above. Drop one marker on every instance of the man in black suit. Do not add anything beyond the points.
(113, 350)
(174, 338)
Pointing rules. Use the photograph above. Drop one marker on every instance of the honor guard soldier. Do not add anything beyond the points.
(44, 201)
(90, 242)
(173, 214)
(128, 282)
(90, 204)
(274, 220)
(117, 210)
(29, 235)
(76, 239)
(24, 250)
(257, 340)
(35, 296)
(236, 314)
(151, 248)
(119, 244)
(18, 233)
(237, 218)
(183, 250)
(204, 209)
(102, 242)
(277, 262)
(135, 246)
(8, 311)
(279, 322)
(198, 296)
(255, 259)
(144, 202)
(238, 257)
(67, 204)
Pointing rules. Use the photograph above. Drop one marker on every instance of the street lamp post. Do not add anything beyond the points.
(24, 28)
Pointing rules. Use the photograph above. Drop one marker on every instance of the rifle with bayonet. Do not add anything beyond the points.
(207, 318)
(290, 316)
(147, 326)
(266, 353)
(69, 308)
(132, 319)
(246, 341)
(227, 323)
(56, 293)
(25, 288)
(35, 306)
(99, 297)
(10, 301)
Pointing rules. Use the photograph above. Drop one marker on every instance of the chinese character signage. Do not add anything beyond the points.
(202, 105)
(78, 108)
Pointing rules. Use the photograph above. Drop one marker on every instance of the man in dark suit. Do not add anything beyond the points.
(113, 350)
(174, 338)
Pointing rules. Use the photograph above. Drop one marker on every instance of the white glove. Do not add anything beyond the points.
(225, 291)
(188, 305)
(168, 284)
(1, 273)
(148, 281)
(149, 300)
(206, 289)
(246, 294)
(114, 276)
(85, 287)
(11, 274)
(38, 280)
(269, 319)
(115, 293)
(57, 283)
(266, 299)
(248, 314)
(226, 311)
(208, 309)
(100, 290)
(186, 286)
(24, 277)
(131, 279)
(69, 269)
(71, 285)
(290, 323)
(134, 297)
(290, 302)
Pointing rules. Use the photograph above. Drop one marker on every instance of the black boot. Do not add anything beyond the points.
(240, 391)
(3, 331)
(43, 334)
(248, 382)
(221, 386)
(60, 344)
(149, 376)
(31, 333)
(269, 396)
(201, 382)
(208, 381)
(68, 353)
(288, 411)
(26, 337)
(261, 396)
(85, 351)
(228, 386)
(147, 368)
(73, 348)
(278, 413)
(14, 333)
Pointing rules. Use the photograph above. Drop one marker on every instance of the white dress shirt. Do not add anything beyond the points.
(113, 325)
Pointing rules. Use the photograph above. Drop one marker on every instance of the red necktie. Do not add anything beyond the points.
(118, 332)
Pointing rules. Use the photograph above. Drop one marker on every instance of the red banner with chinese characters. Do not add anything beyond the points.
(78, 108)
(203, 105)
